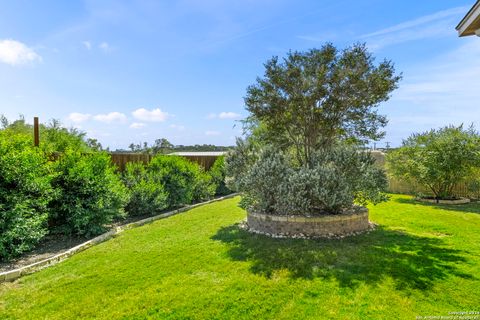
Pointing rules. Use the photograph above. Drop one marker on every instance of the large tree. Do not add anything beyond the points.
(311, 99)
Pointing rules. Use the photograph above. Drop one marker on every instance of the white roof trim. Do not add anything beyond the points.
(464, 28)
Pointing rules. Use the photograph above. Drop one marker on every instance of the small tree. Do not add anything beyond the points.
(314, 98)
(437, 159)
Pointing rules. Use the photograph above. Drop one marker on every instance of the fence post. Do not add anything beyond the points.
(36, 132)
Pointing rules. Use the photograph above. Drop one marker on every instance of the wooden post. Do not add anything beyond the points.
(36, 132)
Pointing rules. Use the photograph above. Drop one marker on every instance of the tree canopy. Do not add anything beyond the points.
(312, 98)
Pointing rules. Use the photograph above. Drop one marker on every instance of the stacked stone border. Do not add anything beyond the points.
(327, 226)
(456, 201)
(17, 273)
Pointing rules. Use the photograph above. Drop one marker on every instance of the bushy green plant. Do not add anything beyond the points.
(147, 194)
(53, 137)
(337, 179)
(25, 192)
(437, 159)
(91, 193)
(334, 180)
(218, 173)
(183, 180)
(204, 187)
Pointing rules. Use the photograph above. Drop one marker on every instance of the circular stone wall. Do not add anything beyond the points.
(343, 224)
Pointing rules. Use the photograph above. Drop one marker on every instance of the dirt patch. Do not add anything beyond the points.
(48, 247)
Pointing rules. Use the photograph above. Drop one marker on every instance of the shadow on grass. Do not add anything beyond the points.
(472, 207)
(412, 262)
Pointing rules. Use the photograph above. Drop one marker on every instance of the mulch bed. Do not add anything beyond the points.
(54, 244)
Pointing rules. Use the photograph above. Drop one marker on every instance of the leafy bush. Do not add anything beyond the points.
(25, 192)
(147, 194)
(183, 180)
(218, 173)
(204, 187)
(91, 194)
(53, 137)
(437, 159)
(334, 180)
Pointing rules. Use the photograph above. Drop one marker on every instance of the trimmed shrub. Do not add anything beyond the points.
(204, 187)
(91, 194)
(437, 159)
(25, 192)
(218, 174)
(183, 180)
(334, 180)
(147, 194)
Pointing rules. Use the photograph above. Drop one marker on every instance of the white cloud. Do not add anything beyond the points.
(16, 53)
(434, 25)
(137, 125)
(111, 117)
(223, 115)
(177, 127)
(87, 45)
(212, 133)
(228, 115)
(154, 115)
(105, 47)
(77, 117)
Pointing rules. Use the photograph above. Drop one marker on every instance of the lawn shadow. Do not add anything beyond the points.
(472, 207)
(412, 262)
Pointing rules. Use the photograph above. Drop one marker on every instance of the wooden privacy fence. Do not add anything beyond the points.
(205, 160)
(121, 159)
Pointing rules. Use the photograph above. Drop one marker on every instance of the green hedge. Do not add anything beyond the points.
(67, 187)
(218, 174)
(90, 193)
(184, 181)
(25, 192)
(147, 194)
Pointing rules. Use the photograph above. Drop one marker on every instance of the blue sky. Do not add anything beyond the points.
(131, 71)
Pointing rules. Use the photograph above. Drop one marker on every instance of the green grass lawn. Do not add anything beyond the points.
(422, 260)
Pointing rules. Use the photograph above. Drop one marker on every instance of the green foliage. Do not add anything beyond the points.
(437, 159)
(183, 180)
(306, 114)
(335, 179)
(25, 192)
(53, 137)
(147, 194)
(311, 99)
(204, 187)
(91, 194)
(218, 173)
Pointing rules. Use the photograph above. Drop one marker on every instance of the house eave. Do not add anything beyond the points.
(470, 24)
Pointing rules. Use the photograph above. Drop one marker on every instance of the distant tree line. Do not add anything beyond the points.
(163, 146)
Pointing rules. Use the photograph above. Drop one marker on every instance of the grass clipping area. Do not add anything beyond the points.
(422, 260)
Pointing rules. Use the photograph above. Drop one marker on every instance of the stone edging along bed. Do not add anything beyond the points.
(440, 201)
(17, 273)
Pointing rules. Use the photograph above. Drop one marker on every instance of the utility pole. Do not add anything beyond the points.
(36, 132)
(387, 145)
